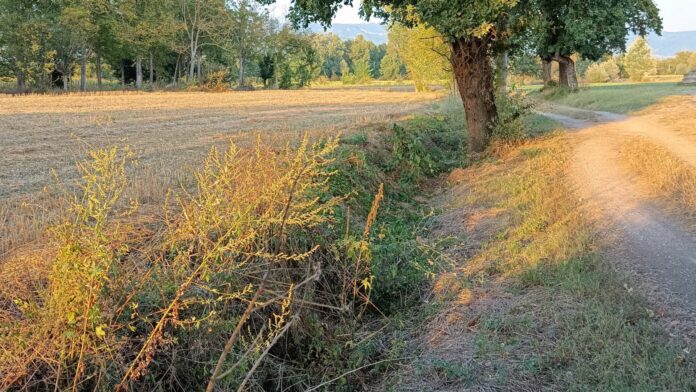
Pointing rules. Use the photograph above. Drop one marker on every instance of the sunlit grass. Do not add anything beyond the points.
(552, 310)
(669, 180)
(616, 97)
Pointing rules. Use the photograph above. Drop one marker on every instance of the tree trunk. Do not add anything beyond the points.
(241, 71)
(176, 69)
(152, 68)
(472, 69)
(546, 67)
(98, 66)
(20, 82)
(139, 72)
(123, 74)
(200, 71)
(66, 81)
(192, 64)
(502, 72)
(83, 73)
(566, 71)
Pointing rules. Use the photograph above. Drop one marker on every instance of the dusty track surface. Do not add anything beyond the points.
(167, 130)
(640, 235)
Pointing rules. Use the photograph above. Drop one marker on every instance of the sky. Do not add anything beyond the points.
(677, 15)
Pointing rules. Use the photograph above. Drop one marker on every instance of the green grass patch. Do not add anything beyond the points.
(617, 98)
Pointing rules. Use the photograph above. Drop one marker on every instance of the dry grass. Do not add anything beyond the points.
(169, 134)
(666, 178)
(532, 306)
(112, 297)
(44, 132)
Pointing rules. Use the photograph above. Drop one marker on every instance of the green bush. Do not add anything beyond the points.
(512, 111)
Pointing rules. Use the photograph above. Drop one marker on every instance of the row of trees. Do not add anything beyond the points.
(638, 64)
(479, 32)
(43, 43)
(42, 39)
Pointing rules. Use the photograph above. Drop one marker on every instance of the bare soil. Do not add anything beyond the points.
(641, 235)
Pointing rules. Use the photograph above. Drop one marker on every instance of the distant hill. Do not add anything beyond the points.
(666, 45)
(670, 43)
(376, 33)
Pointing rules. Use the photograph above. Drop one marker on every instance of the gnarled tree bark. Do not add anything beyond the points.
(566, 71)
(546, 67)
(471, 64)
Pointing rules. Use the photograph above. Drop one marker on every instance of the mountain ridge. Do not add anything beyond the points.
(666, 45)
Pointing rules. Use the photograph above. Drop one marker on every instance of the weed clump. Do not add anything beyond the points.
(278, 257)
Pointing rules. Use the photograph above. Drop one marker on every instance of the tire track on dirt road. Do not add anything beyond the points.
(639, 235)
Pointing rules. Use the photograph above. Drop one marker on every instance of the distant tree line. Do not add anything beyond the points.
(45, 44)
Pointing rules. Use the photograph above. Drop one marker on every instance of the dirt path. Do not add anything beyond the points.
(640, 236)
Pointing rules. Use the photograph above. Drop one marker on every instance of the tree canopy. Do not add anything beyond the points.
(590, 28)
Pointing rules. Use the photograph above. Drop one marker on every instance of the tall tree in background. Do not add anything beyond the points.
(391, 65)
(200, 20)
(79, 25)
(26, 29)
(267, 68)
(360, 49)
(330, 51)
(377, 53)
(248, 27)
(423, 52)
(590, 28)
(146, 25)
(639, 61)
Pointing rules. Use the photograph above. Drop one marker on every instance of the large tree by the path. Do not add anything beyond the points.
(591, 28)
(470, 26)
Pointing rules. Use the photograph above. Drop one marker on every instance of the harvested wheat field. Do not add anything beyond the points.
(41, 133)
(169, 133)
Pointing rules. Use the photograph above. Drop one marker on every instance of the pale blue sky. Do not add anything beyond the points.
(678, 15)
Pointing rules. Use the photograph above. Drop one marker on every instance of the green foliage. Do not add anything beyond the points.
(513, 110)
(330, 51)
(296, 58)
(267, 68)
(391, 66)
(423, 53)
(639, 61)
(682, 63)
(422, 147)
(592, 28)
(285, 79)
(426, 146)
(362, 72)
(596, 74)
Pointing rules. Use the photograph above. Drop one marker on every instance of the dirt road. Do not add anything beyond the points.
(640, 235)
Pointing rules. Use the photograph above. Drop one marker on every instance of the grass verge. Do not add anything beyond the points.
(535, 306)
(616, 98)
